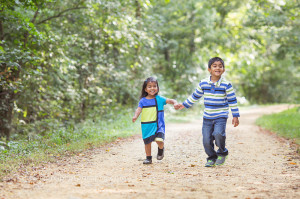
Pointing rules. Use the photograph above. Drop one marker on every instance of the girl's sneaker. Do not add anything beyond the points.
(210, 163)
(220, 160)
(147, 161)
(160, 154)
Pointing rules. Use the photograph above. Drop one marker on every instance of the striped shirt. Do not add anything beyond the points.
(218, 97)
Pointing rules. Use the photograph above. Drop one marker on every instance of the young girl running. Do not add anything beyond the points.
(151, 106)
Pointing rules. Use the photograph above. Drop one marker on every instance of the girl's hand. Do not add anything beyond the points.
(136, 114)
(235, 121)
(178, 106)
(134, 119)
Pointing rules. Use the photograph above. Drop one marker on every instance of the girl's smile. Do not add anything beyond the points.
(151, 89)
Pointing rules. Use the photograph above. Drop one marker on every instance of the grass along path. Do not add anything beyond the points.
(285, 124)
(35, 149)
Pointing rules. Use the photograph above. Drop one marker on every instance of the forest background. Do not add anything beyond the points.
(71, 62)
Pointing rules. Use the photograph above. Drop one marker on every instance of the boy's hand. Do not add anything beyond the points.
(178, 106)
(175, 105)
(235, 121)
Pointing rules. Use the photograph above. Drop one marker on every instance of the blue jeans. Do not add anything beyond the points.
(214, 130)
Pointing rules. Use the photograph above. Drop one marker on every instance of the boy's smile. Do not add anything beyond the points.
(216, 70)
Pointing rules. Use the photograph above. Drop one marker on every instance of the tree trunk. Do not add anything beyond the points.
(6, 110)
(167, 55)
(1, 31)
(138, 15)
(7, 98)
(84, 102)
(192, 45)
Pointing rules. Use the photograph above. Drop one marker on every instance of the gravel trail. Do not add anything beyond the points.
(259, 165)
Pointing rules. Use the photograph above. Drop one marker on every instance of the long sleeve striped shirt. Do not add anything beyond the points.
(218, 97)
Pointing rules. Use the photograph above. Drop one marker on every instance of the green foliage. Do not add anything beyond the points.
(285, 124)
(65, 62)
(269, 71)
(35, 148)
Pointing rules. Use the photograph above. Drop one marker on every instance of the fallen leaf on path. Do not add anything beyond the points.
(294, 163)
(78, 185)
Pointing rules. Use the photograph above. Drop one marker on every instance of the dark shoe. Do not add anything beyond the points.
(147, 161)
(160, 157)
(220, 160)
(210, 163)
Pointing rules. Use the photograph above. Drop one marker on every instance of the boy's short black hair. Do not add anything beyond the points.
(214, 59)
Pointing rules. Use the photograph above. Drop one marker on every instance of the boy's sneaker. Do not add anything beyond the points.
(210, 163)
(221, 160)
(160, 154)
(147, 161)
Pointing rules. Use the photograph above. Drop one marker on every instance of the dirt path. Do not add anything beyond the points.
(259, 166)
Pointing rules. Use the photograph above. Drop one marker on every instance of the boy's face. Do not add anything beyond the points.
(216, 69)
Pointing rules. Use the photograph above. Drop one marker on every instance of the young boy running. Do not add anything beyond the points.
(218, 97)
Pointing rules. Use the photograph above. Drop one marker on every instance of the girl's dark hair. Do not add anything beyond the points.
(214, 59)
(149, 79)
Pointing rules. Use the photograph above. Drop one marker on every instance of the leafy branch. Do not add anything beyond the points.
(60, 14)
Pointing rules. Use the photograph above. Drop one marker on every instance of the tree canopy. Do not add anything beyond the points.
(62, 62)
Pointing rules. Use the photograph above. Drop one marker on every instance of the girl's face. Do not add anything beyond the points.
(151, 89)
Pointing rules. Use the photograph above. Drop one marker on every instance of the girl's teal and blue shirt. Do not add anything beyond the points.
(152, 119)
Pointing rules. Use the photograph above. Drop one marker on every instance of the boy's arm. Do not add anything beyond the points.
(136, 114)
(232, 101)
(194, 97)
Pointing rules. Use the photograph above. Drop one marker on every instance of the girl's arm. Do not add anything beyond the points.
(136, 114)
(175, 103)
(171, 101)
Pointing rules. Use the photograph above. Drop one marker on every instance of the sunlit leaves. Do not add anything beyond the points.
(73, 60)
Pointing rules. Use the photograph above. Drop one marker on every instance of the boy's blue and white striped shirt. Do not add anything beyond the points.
(218, 97)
